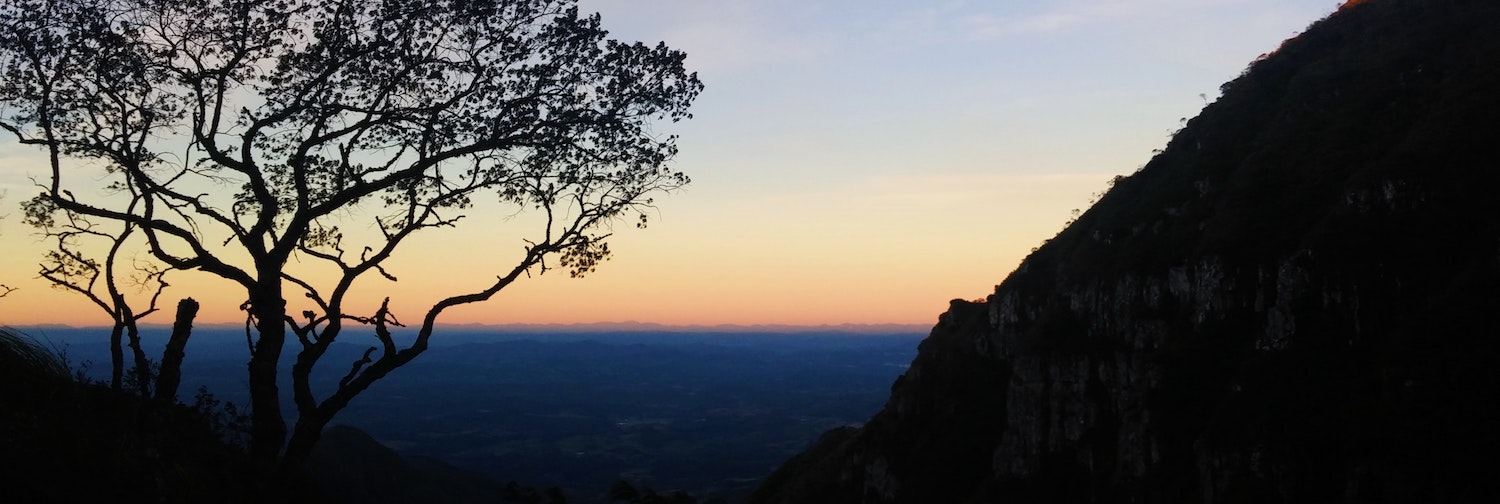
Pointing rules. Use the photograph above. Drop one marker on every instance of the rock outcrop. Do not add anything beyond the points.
(1293, 302)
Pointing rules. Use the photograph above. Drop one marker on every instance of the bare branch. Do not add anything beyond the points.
(354, 370)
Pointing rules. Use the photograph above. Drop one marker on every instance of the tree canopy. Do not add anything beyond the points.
(235, 135)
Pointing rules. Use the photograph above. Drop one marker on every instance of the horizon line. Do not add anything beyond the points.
(623, 326)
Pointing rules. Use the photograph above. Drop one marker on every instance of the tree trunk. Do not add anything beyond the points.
(267, 426)
(142, 364)
(306, 434)
(170, 374)
(116, 356)
(311, 421)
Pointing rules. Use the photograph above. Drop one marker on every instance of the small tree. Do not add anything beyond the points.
(67, 266)
(253, 130)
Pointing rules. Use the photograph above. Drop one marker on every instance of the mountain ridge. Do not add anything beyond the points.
(1285, 305)
(572, 327)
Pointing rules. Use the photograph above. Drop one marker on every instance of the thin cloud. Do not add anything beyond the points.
(930, 191)
(721, 38)
(947, 189)
(726, 48)
(1070, 16)
(989, 26)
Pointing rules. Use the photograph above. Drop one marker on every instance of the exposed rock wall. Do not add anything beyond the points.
(1294, 302)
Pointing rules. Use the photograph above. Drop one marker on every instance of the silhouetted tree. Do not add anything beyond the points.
(624, 492)
(253, 130)
(170, 375)
(70, 267)
(516, 493)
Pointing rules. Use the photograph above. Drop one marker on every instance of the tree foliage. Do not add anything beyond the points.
(70, 266)
(235, 135)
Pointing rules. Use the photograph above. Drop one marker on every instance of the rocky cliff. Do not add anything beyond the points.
(1295, 301)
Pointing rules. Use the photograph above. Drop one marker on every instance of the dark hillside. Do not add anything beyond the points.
(351, 467)
(63, 441)
(1291, 303)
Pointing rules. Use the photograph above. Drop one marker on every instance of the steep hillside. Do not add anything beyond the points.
(1293, 302)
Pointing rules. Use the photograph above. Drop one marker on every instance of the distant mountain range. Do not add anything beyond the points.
(628, 326)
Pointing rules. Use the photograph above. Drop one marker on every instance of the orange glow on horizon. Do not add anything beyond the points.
(959, 237)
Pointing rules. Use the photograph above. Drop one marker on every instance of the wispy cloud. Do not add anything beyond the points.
(986, 24)
(934, 192)
(722, 37)
(945, 189)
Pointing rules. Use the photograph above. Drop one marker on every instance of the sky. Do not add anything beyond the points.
(853, 162)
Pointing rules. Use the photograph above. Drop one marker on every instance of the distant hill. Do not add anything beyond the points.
(351, 467)
(1293, 302)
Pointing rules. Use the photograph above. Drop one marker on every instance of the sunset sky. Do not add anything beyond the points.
(853, 162)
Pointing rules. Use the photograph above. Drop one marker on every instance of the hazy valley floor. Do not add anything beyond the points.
(709, 413)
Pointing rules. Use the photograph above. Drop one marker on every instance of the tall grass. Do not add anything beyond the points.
(22, 358)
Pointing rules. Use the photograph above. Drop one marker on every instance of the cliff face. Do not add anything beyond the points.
(1294, 302)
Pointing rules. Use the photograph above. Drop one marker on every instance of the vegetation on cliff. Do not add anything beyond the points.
(1288, 304)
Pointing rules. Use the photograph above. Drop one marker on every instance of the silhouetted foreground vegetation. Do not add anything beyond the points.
(66, 440)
